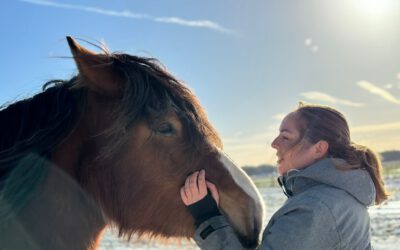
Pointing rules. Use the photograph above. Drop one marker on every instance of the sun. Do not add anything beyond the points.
(375, 8)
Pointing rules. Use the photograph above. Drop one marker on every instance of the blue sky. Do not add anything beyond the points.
(249, 62)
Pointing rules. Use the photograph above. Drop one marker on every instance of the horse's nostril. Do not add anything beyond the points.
(249, 243)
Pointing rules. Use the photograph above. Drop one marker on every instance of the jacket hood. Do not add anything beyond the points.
(356, 182)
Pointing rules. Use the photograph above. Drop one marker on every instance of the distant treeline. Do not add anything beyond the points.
(259, 170)
(393, 155)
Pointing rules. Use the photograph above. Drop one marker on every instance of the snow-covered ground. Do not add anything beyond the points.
(385, 223)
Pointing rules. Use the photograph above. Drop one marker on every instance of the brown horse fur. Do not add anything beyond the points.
(138, 133)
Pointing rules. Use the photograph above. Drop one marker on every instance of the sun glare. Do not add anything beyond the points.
(375, 8)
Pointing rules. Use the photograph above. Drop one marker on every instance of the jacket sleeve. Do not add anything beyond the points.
(310, 225)
(217, 234)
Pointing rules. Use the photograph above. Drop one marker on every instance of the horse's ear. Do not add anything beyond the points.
(96, 70)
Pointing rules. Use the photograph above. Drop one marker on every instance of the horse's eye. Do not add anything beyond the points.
(166, 129)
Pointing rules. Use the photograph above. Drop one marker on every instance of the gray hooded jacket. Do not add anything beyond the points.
(326, 209)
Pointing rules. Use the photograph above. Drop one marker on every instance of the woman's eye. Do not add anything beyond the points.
(166, 129)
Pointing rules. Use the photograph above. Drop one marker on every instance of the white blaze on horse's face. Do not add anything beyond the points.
(247, 218)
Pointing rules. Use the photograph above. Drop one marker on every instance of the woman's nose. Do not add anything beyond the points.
(274, 144)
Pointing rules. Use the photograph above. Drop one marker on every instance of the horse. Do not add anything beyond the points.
(112, 146)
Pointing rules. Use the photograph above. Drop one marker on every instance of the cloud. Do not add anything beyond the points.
(279, 116)
(314, 49)
(398, 77)
(373, 89)
(388, 86)
(251, 152)
(207, 24)
(376, 127)
(308, 41)
(310, 45)
(322, 97)
(196, 23)
(251, 148)
(250, 138)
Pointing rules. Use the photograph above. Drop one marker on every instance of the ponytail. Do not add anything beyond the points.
(359, 156)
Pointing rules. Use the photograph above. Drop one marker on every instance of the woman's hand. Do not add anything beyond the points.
(195, 188)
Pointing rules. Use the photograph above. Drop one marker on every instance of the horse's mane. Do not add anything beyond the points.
(30, 129)
(37, 124)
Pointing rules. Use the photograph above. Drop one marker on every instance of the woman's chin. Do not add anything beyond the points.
(281, 170)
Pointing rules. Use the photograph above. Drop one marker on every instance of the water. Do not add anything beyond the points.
(385, 223)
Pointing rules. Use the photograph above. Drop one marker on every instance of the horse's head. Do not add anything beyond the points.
(142, 132)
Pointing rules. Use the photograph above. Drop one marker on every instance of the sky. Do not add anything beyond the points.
(249, 62)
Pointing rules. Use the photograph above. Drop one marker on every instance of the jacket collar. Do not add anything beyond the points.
(356, 182)
(287, 188)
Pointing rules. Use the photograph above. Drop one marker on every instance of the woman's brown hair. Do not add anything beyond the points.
(319, 122)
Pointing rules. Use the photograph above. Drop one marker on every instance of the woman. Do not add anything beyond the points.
(329, 182)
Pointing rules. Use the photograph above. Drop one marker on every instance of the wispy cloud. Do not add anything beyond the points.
(308, 41)
(279, 116)
(398, 78)
(251, 152)
(323, 97)
(376, 127)
(207, 24)
(373, 89)
(251, 148)
(388, 86)
(311, 45)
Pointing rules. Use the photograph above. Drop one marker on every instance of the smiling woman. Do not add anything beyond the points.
(329, 182)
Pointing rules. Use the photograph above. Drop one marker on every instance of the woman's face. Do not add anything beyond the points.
(292, 151)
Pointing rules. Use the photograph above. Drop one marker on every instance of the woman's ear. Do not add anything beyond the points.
(321, 149)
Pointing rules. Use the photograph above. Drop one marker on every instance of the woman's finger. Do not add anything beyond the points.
(194, 189)
(202, 183)
(214, 191)
(183, 196)
(187, 188)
